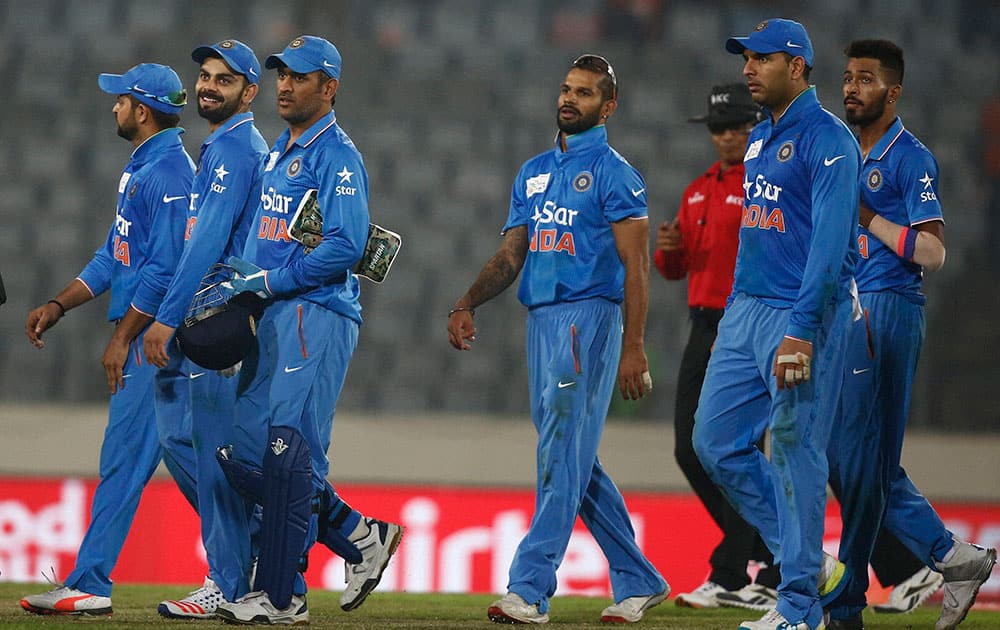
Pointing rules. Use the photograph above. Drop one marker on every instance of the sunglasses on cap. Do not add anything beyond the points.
(177, 99)
(600, 65)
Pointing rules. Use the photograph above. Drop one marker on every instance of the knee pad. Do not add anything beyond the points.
(289, 505)
(248, 481)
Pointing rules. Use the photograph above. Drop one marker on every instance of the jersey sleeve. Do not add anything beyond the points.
(834, 197)
(166, 236)
(97, 273)
(343, 201)
(517, 215)
(918, 185)
(220, 200)
(625, 194)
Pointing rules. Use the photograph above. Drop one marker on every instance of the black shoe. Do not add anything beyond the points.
(851, 623)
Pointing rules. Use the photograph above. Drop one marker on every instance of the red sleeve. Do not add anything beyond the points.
(674, 265)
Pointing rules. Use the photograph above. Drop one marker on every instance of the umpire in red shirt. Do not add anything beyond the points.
(701, 244)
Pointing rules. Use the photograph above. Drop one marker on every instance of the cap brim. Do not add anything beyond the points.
(112, 83)
(290, 60)
(736, 45)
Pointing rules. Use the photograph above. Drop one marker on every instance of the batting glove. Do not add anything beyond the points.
(250, 278)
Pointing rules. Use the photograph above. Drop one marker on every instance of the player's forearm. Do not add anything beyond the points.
(131, 325)
(500, 271)
(912, 245)
(636, 304)
(75, 294)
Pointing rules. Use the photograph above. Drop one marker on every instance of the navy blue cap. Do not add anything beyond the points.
(156, 85)
(237, 55)
(307, 53)
(226, 336)
(775, 35)
(730, 104)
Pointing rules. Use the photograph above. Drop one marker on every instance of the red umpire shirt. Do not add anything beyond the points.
(710, 222)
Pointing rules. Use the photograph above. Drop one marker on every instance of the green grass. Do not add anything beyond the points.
(135, 606)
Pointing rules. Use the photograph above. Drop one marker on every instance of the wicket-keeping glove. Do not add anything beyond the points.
(250, 278)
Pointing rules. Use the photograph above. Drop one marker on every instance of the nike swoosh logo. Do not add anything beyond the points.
(289, 370)
(857, 371)
(829, 161)
(167, 199)
(562, 385)
(194, 376)
(328, 65)
(791, 45)
(125, 376)
(636, 193)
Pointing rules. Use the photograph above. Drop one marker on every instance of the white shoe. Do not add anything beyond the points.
(751, 597)
(702, 597)
(256, 609)
(512, 608)
(912, 592)
(376, 550)
(199, 604)
(831, 573)
(774, 620)
(64, 600)
(631, 609)
(965, 568)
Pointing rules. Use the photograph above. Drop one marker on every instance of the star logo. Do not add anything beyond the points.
(345, 175)
(926, 180)
(221, 172)
(746, 186)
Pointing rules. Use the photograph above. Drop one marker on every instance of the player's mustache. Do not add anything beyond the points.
(210, 94)
(852, 101)
(570, 108)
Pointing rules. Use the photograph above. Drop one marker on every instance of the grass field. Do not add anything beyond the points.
(135, 606)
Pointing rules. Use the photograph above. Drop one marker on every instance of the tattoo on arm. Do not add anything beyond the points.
(502, 269)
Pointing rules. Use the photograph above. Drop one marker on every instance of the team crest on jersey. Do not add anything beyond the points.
(785, 152)
(537, 184)
(874, 180)
(583, 181)
(131, 191)
(295, 167)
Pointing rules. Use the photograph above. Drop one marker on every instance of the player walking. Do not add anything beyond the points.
(902, 234)
(701, 244)
(778, 358)
(135, 263)
(578, 226)
(305, 338)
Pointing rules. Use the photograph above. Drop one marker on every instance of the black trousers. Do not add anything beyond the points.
(740, 542)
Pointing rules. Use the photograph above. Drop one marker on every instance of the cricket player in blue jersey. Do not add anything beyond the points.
(224, 198)
(306, 337)
(135, 263)
(778, 358)
(578, 226)
(902, 233)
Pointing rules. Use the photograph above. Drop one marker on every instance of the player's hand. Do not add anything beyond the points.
(792, 362)
(154, 344)
(461, 329)
(634, 380)
(252, 278)
(115, 356)
(668, 236)
(40, 320)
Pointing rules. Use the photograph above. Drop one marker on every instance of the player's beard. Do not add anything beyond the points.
(866, 115)
(223, 111)
(581, 124)
(128, 128)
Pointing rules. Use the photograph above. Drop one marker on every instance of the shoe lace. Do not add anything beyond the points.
(773, 616)
(52, 580)
(708, 587)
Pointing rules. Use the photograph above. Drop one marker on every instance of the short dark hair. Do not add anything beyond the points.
(162, 119)
(608, 83)
(805, 71)
(888, 54)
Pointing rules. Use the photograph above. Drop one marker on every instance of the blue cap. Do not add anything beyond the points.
(237, 55)
(775, 35)
(306, 54)
(155, 85)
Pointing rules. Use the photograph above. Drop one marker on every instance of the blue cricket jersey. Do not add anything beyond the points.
(325, 159)
(224, 197)
(568, 200)
(799, 231)
(899, 182)
(145, 242)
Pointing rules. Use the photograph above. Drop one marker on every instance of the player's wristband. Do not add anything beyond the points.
(907, 244)
(457, 309)
(62, 309)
